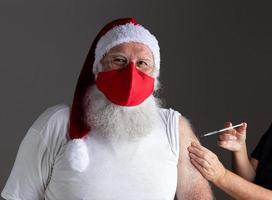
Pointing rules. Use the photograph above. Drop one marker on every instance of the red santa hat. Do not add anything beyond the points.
(114, 33)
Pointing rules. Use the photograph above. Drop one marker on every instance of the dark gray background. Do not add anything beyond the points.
(216, 61)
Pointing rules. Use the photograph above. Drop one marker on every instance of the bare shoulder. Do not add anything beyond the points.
(186, 133)
(186, 137)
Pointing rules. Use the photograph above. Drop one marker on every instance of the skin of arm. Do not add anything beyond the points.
(212, 169)
(240, 161)
(235, 141)
(191, 184)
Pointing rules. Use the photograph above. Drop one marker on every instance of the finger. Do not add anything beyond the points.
(242, 128)
(204, 162)
(226, 136)
(206, 152)
(199, 146)
(227, 144)
(205, 156)
(196, 151)
(230, 131)
(227, 124)
(220, 143)
(199, 153)
(202, 171)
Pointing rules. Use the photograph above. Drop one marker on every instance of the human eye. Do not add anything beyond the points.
(119, 60)
(144, 63)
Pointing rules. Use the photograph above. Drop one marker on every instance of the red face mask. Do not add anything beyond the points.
(125, 87)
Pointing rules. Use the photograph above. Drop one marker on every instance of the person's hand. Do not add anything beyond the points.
(206, 162)
(233, 139)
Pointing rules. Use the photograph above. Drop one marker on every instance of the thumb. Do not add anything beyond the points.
(242, 129)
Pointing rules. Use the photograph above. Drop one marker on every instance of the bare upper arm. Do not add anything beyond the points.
(186, 137)
(191, 184)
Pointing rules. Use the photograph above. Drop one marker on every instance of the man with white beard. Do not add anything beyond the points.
(115, 142)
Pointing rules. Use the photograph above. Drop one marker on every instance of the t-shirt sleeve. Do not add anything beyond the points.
(33, 164)
(259, 148)
(171, 119)
(30, 171)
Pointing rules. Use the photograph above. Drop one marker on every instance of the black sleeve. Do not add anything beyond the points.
(259, 148)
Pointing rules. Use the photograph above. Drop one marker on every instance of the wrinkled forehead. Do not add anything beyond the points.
(129, 32)
(132, 49)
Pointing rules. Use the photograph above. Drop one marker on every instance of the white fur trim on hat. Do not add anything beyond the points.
(77, 154)
(127, 33)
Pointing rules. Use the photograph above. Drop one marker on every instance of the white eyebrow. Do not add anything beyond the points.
(117, 54)
(124, 55)
(146, 59)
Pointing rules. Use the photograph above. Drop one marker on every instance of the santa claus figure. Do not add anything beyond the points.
(115, 142)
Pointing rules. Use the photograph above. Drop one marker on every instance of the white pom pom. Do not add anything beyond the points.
(77, 154)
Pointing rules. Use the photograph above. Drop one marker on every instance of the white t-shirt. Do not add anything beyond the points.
(142, 170)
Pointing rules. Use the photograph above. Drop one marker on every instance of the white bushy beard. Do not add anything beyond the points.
(120, 122)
